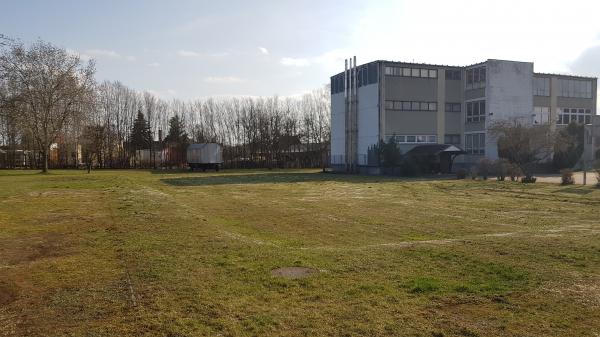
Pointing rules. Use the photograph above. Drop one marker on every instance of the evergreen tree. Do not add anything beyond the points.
(177, 132)
(569, 146)
(177, 141)
(140, 134)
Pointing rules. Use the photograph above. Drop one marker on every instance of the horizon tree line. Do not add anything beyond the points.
(52, 109)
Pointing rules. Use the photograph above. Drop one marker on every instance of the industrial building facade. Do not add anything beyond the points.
(417, 104)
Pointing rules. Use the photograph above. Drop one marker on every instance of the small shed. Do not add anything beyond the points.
(435, 157)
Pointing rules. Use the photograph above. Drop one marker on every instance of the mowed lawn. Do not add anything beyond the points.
(139, 253)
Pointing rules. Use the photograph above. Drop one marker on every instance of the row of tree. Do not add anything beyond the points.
(49, 101)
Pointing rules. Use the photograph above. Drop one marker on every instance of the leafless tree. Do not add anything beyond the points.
(522, 145)
(47, 86)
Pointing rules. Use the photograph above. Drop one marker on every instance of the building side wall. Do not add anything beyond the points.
(454, 94)
(509, 96)
(368, 120)
(411, 89)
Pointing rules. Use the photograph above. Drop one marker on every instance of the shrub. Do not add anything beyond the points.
(514, 172)
(473, 173)
(501, 167)
(485, 167)
(408, 167)
(461, 174)
(528, 179)
(598, 178)
(566, 177)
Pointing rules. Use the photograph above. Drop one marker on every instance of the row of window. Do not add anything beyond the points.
(365, 74)
(411, 72)
(564, 119)
(574, 115)
(452, 74)
(411, 106)
(475, 143)
(574, 88)
(541, 86)
(475, 111)
(566, 88)
(453, 139)
(453, 107)
(476, 78)
(414, 139)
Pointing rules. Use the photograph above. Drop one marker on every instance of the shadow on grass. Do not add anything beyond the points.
(576, 190)
(274, 178)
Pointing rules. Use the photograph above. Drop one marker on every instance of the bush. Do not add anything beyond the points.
(408, 167)
(502, 168)
(566, 177)
(461, 174)
(528, 179)
(485, 167)
(514, 172)
(598, 178)
(473, 173)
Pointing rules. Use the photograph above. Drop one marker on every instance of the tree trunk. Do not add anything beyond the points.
(45, 159)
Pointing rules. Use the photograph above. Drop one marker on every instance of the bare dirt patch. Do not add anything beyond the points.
(8, 292)
(293, 272)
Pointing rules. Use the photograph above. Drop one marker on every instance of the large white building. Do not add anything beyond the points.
(418, 104)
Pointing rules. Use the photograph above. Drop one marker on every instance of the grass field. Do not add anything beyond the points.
(135, 253)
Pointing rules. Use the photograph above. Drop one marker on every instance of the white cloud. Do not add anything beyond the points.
(295, 62)
(263, 50)
(101, 53)
(153, 65)
(224, 80)
(194, 54)
(83, 57)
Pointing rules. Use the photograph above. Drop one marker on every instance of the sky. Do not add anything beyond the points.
(197, 49)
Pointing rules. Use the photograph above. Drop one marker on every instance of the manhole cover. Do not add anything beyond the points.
(293, 272)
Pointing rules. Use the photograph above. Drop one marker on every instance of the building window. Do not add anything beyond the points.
(411, 106)
(453, 107)
(475, 111)
(452, 74)
(574, 88)
(475, 143)
(452, 139)
(541, 115)
(415, 139)
(574, 115)
(366, 74)
(541, 86)
(410, 72)
(476, 78)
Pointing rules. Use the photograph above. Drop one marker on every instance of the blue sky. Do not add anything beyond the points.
(189, 49)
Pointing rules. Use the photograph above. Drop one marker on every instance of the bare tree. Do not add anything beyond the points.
(47, 86)
(522, 145)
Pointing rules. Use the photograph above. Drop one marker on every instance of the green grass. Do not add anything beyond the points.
(132, 253)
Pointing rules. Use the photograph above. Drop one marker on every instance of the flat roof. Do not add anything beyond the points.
(467, 66)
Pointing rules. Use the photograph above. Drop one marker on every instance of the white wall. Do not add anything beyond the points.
(338, 129)
(509, 96)
(368, 120)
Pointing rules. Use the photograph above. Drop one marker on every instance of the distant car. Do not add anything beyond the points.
(205, 156)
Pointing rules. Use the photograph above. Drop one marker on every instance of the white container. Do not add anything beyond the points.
(205, 155)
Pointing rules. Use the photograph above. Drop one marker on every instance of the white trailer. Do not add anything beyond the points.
(205, 156)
